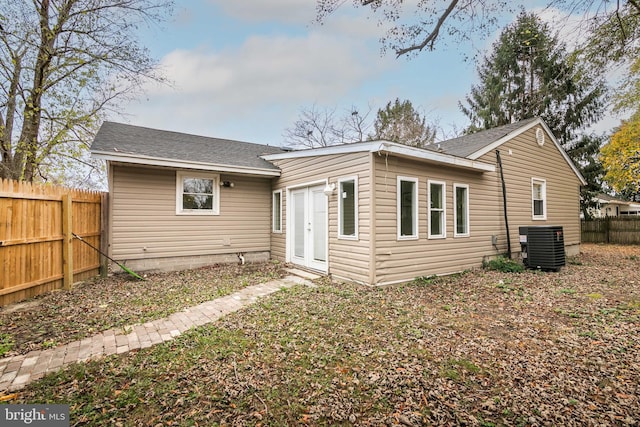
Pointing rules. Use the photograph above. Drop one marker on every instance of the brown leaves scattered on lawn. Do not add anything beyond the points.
(483, 348)
(117, 301)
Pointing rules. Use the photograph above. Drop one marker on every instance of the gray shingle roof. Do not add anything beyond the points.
(118, 138)
(466, 145)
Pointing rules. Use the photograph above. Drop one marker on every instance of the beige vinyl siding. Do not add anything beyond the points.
(403, 260)
(348, 259)
(523, 159)
(144, 223)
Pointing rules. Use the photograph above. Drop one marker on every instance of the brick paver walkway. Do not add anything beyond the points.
(18, 371)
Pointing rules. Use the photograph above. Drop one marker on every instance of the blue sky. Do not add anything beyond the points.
(244, 69)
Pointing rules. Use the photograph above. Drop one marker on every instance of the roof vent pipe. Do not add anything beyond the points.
(504, 203)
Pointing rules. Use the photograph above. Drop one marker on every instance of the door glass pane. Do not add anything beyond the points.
(319, 226)
(298, 225)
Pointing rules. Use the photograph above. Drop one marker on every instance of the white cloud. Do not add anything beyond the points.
(264, 75)
(271, 70)
(286, 11)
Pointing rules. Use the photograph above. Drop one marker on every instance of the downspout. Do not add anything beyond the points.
(504, 203)
(373, 250)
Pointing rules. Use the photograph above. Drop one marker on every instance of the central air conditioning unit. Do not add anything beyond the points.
(542, 247)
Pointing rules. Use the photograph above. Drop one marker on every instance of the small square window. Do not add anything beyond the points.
(197, 194)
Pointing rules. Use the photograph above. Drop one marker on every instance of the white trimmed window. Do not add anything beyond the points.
(461, 210)
(538, 198)
(407, 208)
(197, 193)
(277, 211)
(437, 211)
(348, 208)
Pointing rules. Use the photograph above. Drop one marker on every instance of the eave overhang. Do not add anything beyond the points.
(392, 148)
(182, 164)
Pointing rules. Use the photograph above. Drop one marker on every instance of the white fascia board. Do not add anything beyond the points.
(434, 156)
(356, 147)
(181, 164)
(521, 130)
(386, 147)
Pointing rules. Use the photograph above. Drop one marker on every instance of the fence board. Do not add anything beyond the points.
(33, 240)
(617, 230)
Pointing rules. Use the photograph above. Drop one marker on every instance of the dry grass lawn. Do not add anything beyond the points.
(483, 348)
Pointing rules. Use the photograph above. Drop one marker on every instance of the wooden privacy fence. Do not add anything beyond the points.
(37, 250)
(618, 230)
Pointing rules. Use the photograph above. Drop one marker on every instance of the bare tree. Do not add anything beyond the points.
(62, 64)
(415, 26)
(322, 127)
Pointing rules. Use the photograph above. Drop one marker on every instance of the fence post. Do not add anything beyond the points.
(607, 227)
(104, 234)
(67, 241)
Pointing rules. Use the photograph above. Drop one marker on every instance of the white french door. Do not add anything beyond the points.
(307, 242)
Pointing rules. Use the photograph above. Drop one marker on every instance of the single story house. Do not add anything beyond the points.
(609, 206)
(374, 212)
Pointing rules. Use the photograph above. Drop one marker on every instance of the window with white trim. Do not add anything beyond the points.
(197, 193)
(407, 208)
(538, 198)
(348, 208)
(277, 211)
(461, 210)
(437, 211)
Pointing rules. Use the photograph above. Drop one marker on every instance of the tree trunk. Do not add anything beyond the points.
(27, 148)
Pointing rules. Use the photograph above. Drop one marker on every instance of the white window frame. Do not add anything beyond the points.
(276, 227)
(414, 236)
(455, 210)
(543, 183)
(443, 222)
(355, 208)
(180, 176)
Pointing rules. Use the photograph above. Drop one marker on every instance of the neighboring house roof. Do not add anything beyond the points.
(605, 199)
(477, 144)
(391, 148)
(134, 144)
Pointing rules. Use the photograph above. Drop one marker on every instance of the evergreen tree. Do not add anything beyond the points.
(400, 122)
(531, 74)
(584, 153)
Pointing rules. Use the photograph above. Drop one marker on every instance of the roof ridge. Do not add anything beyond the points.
(194, 135)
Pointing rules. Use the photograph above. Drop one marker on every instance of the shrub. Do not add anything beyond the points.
(503, 264)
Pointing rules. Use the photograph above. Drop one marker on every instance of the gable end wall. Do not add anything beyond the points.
(522, 160)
